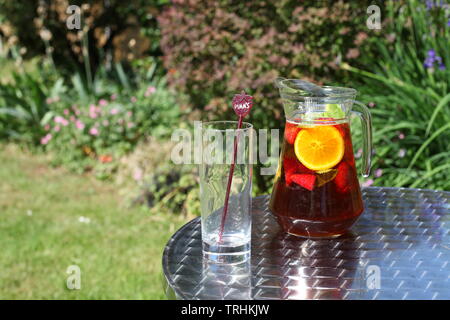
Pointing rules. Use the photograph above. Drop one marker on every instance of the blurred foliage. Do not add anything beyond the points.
(213, 49)
(111, 30)
(24, 105)
(407, 87)
(147, 176)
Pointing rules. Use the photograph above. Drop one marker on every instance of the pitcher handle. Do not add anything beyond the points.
(366, 122)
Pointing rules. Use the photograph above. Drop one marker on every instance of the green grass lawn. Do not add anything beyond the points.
(51, 219)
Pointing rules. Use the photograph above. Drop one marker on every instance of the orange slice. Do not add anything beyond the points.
(319, 148)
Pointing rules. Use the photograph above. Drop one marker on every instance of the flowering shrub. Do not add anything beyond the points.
(147, 176)
(102, 131)
(214, 49)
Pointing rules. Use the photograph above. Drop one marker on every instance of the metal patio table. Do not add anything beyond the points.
(398, 249)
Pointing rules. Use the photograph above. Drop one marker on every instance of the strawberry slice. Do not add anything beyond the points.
(290, 132)
(307, 181)
(342, 178)
(293, 166)
(290, 167)
(303, 169)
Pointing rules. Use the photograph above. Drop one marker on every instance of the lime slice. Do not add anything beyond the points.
(325, 176)
(333, 110)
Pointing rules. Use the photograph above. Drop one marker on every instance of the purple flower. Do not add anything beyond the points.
(448, 23)
(433, 59)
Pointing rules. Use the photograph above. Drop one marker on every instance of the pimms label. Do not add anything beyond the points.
(242, 104)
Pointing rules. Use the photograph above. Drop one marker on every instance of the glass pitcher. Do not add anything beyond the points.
(316, 193)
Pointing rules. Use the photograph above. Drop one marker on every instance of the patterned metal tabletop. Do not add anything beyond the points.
(398, 249)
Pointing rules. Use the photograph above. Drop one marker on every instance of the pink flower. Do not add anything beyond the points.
(79, 125)
(367, 183)
(150, 90)
(58, 119)
(113, 97)
(47, 127)
(378, 173)
(102, 102)
(358, 154)
(56, 128)
(371, 104)
(77, 112)
(72, 118)
(105, 123)
(130, 125)
(133, 99)
(45, 139)
(401, 136)
(49, 100)
(129, 113)
(93, 131)
(137, 174)
(114, 111)
(66, 111)
(64, 122)
(92, 115)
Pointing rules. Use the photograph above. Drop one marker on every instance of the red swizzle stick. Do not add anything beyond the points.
(242, 104)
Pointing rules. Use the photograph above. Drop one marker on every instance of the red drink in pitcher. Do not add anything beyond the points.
(316, 191)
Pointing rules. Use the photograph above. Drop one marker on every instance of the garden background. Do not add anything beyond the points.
(86, 117)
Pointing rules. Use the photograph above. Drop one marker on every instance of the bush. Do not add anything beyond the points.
(97, 131)
(25, 105)
(408, 89)
(214, 49)
(147, 176)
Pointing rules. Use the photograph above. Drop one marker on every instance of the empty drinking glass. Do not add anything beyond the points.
(226, 225)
